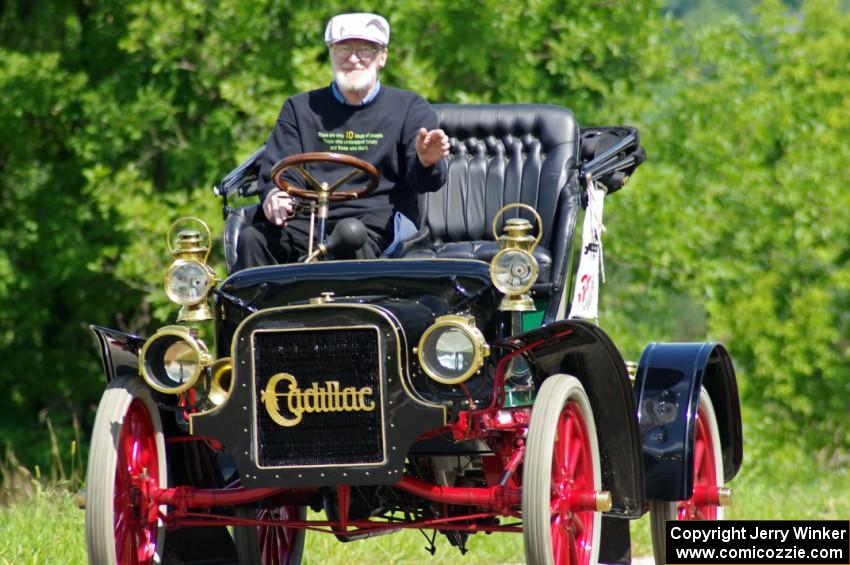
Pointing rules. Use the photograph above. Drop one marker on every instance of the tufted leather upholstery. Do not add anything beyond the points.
(502, 154)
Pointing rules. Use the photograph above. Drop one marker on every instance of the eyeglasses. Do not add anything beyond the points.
(364, 52)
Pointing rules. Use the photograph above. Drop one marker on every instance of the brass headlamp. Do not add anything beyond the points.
(173, 359)
(452, 349)
(189, 280)
(514, 269)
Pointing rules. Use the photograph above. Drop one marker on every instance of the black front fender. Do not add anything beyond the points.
(119, 352)
(583, 350)
(667, 388)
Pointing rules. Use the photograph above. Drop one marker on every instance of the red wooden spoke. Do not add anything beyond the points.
(573, 548)
(705, 472)
(277, 543)
(558, 541)
(699, 453)
(576, 451)
(572, 470)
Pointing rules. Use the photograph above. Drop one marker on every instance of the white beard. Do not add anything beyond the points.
(358, 81)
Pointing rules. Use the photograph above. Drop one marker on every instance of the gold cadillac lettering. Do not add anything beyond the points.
(327, 398)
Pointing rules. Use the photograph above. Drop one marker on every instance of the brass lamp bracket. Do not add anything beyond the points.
(189, 242)
(518, 229)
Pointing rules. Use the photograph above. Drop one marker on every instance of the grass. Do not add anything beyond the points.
(40, 522)
(410, 547)
(44, 526)
(46, 529)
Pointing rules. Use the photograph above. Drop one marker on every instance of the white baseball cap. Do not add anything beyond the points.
(370, 27)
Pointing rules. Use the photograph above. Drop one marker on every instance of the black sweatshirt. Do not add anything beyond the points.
(382, 132)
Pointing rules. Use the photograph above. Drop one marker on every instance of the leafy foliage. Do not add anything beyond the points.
(745, 214)
(118, 116)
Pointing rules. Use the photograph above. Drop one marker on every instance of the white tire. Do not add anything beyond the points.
(127, 448)
(561, 424)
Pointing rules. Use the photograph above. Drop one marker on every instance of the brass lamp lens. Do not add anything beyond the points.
(453, 352)
(181, 362)
(452, 349)
(187, 282)
(170, 364)
(513, 271)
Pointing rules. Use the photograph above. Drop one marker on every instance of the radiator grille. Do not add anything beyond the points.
(348, 356)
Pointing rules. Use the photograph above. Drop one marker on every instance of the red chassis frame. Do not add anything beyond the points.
(505, 428)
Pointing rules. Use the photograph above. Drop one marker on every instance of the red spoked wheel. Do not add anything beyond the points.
(126, 466)
(709, 499)
(135, 526)
(562, 480)
(270, 545)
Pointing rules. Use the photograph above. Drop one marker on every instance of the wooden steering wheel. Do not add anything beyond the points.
(317, 190)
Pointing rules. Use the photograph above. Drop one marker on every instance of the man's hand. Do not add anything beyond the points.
(278, 207)
(431, 146)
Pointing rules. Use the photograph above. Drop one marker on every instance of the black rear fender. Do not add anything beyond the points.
(667, 388)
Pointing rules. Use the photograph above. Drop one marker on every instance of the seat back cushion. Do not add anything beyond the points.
(500, 154)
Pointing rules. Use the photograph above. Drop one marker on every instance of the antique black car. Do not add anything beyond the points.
(459, 385)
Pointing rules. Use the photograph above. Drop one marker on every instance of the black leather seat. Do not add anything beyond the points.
(501, 154)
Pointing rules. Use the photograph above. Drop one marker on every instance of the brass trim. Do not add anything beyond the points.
(724, 496)
(217, 371)
(527, 207)
(186, 334)
(517, 303)
(381, 396)
(407, 372)
(465, 324)
(325, 298)
(631, 369)
(195, 313)
(603, 501)
(178, 221)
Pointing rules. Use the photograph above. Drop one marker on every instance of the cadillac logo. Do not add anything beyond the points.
(317, 398)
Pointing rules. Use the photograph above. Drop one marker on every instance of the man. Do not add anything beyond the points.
(395, 130)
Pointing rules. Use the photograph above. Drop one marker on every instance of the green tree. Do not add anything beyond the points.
(741, 219)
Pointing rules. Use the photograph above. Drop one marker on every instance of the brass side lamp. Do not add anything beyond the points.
(189, 280)
(514, 270)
